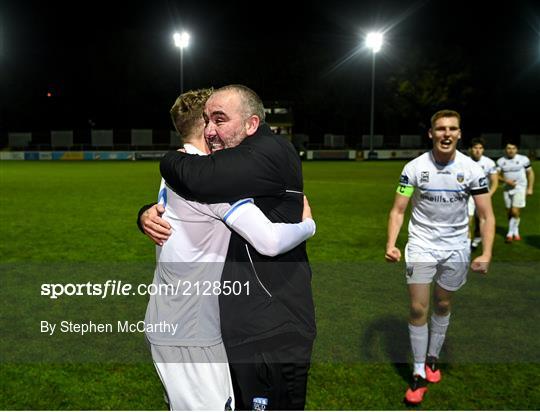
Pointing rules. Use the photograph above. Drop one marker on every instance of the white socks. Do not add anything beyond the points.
(420, 335)
(513, 226)
(419, 341)
(439, 325)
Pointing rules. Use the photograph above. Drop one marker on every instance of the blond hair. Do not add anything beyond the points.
(445, 113)
(187, 110)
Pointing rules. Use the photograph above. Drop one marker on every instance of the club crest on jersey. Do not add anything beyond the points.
(460, 177)
(260, 404)
(424, 177)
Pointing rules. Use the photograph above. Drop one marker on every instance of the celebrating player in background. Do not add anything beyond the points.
(191, 362)
(518, 176)
(440, 183)
(490, 170)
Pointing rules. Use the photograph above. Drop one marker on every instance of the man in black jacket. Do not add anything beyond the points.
(269, 328)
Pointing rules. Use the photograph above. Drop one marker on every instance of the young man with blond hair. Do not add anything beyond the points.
(439, 183)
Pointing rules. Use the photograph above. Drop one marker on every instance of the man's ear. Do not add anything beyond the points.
(430, 134)
(252, 124)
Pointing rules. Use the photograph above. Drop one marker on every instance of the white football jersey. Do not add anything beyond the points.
(514, 169)
(488, 166)
(439, 218)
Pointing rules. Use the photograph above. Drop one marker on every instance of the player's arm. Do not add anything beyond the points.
(493, 183)
(502, 178)
(224, 176)
(484, 211)
(530, 180)
(395, 221)
(270, 239)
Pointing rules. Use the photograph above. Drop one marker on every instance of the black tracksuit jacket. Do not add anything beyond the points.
(266, 167)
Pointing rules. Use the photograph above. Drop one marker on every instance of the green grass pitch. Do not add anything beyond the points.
(71, 221)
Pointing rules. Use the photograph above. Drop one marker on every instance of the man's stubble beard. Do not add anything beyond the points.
(236, 139)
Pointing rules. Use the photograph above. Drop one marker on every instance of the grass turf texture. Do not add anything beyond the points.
(83, 213)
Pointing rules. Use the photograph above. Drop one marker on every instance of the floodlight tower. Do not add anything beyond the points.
(181, 40)
(374, 41)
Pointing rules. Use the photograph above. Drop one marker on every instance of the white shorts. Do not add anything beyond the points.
(448, 268)
(515, 197)
(194, 381)
(471, 206)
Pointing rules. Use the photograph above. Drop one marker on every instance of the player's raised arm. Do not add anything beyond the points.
(225, 176)
(270, 239)
(395, 221)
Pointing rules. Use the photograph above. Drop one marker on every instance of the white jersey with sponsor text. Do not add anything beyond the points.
(514, 169)
(439, 218)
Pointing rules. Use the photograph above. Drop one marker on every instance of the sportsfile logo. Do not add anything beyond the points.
(120, 288)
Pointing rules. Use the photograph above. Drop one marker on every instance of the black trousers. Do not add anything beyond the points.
(272, 378)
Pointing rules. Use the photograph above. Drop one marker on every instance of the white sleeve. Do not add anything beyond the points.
(162, 194)
(267, 238)
(526, 162)
(408, 175)
(491, 167)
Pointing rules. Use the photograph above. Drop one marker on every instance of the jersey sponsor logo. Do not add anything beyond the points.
(443, 199)
(482, 182)
(444, 172)
(424, 177)
(404, 180)
(260, 404)
(460, 177)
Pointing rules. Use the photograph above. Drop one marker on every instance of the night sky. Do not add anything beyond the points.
(114, 64)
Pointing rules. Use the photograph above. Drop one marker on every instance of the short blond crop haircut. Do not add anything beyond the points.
(445, 113)
(188, 110)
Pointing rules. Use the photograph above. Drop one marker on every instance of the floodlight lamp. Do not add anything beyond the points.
(181, 40)
(374, 41)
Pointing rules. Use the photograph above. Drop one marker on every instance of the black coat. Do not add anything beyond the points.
(266, 167)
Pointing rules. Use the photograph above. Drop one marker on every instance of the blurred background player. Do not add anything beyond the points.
(489, 167)
(440, 183)
(518, 176)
